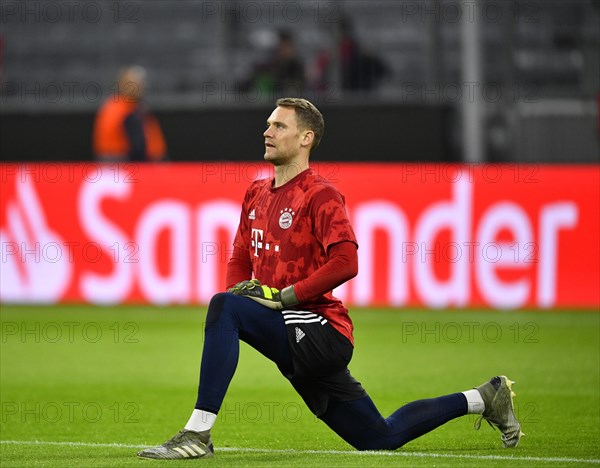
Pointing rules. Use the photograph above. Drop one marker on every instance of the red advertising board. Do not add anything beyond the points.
(504, 236)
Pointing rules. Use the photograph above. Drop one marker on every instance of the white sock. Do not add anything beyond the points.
(200, 421)
(475, 403)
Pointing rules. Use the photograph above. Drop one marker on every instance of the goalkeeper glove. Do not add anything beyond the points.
(265, 295)
(239, 286)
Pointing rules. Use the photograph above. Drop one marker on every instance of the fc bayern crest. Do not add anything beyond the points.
(286, 218)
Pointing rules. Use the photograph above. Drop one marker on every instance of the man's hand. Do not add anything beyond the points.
(235, 289)
(265, 295)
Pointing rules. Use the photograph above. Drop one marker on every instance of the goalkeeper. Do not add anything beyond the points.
(294, 238)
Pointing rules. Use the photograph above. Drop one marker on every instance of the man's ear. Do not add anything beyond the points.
(308, 138)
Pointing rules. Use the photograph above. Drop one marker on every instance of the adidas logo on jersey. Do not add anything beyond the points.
(252, 214)
(299, 335)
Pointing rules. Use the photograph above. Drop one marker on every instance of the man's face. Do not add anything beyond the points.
(132, 83)
(283, 140)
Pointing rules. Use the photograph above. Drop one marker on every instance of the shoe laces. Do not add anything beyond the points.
(179, 437)
(477, 424)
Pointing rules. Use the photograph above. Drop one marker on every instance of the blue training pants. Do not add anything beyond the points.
(233, 318)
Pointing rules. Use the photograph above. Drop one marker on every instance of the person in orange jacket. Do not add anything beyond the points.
(124, 129)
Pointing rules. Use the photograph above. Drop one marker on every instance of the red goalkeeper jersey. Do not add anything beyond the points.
(286, 233)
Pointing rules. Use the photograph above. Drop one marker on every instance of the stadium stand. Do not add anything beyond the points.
(542, 57)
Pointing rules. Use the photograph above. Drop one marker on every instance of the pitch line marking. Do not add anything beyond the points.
(320, 452)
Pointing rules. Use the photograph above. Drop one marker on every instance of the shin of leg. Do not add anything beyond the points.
(232, 318)
(419, 417)
(360, 424)
(220, 353)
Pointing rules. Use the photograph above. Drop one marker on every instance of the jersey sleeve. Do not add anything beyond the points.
(242, 235)
(341, 265)
(330, 219)
(239, 267)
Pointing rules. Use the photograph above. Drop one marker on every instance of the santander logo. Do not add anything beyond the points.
(34, 268)
(170, 243)
(473, 260)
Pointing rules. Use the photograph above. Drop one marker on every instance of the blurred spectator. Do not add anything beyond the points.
(124, 129)
(1, 60)
(598, 113)
(283, 72)
(360, 69)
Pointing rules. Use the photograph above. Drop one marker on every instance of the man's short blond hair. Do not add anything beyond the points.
(307, 115)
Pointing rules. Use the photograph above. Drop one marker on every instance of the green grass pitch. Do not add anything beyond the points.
(89, 386)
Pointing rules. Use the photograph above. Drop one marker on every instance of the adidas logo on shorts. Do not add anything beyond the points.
(299, 335)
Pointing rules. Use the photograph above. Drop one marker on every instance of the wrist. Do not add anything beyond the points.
(288, 296)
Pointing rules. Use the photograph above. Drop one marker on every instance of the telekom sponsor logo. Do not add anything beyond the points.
(167, 237)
